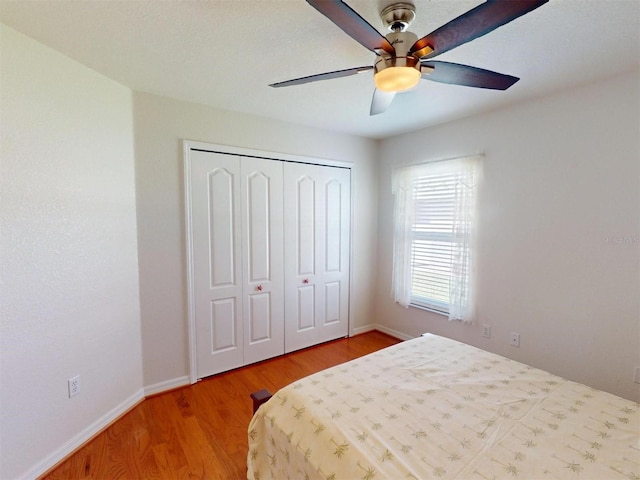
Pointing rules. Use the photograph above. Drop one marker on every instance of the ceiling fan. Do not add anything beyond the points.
(403, 59)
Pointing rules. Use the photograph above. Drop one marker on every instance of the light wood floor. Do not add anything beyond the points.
(200, 431)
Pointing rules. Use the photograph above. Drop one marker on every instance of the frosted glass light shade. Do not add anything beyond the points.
(397, 79)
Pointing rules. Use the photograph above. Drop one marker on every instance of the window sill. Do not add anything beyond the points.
(429, 309)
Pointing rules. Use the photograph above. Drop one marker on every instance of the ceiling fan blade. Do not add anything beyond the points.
(456, 74)
(381, 101)
(353, 25)
(473, 24)
(322, 76)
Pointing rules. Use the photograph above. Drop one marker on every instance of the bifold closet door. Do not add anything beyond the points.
(237, 260)
(263, 259)
(317, 209)
(217, 261)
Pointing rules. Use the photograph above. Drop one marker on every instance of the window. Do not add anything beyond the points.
(434, 207)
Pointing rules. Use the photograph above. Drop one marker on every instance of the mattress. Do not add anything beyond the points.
(432, 407)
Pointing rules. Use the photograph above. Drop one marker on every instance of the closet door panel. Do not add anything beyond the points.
(263, 270)
(317, 212)
(335, 268)
(300, 238)
(215, 204)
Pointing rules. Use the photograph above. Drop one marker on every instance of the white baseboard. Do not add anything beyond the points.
(166, 385)
(383, 329)
(393, 333)
(83, 437)
(367, 328)
(99, 425)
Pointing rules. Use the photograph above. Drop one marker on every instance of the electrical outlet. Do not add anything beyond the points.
(486, 331)
(74, 386)
(514, 339)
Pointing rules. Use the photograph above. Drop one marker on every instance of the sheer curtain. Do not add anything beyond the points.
(461, 300)
(461, 280)
(403, 217)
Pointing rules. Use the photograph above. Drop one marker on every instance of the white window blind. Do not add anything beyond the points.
(432, 245)
(433, 224)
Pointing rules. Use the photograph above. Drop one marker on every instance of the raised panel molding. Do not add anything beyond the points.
(306, 226)
(259, 317)
(258, 225)
(333, 222)
(306, 307)
(221, 238)
(332, 302)
(223, 325)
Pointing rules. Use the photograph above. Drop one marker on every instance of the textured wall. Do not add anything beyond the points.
(559, 231)
(69, 275)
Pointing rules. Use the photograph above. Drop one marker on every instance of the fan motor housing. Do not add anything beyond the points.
(388, 62)
(398, 16)
(400, 71)
(402, 42)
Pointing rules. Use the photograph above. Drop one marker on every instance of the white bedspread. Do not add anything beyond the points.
(436, 408)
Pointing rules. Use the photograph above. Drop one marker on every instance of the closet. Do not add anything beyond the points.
(268, 247)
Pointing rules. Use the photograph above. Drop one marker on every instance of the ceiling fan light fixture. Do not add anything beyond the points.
(396, 74)
(397, 79)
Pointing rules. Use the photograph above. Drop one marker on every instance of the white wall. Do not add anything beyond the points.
(69, 281)
(160, 126)
(559, 231)
(561, 177)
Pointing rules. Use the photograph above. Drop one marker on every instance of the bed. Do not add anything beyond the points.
(432, 407)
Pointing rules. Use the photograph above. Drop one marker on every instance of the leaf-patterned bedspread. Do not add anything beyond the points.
(435, 408)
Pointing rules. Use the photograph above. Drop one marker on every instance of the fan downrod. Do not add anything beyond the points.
(398, 16)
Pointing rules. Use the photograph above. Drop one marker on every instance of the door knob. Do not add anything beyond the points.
(305, 281)
(259, 288)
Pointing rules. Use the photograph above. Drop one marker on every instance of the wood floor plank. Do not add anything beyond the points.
(200, 431)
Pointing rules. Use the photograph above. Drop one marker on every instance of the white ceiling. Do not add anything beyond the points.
(224, 53)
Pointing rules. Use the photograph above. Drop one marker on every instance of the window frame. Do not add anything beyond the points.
(435, 202)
